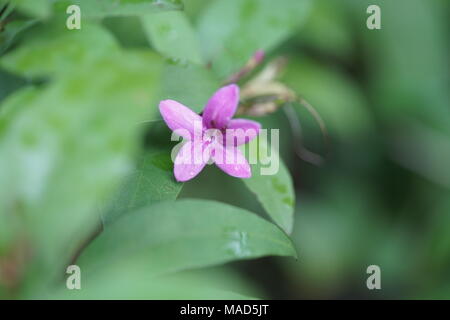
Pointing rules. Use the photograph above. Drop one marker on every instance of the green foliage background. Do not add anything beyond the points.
(86, 176)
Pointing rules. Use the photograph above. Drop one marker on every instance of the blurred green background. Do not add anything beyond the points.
(382, 196)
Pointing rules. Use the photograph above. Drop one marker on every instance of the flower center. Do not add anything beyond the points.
(212, 135)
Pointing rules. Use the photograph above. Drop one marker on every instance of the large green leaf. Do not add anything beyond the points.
(189, 84)
(37, 8)
(152, 181)
(103, 8)
(97, 8)
(10, 224)
(58, 50)
(131, 281)
(188, 233)
(67, 148)
(274, 190)
(232, 30)
(172, 35)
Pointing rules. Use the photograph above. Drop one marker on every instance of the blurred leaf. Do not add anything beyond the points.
(11, 224)
(228, 278)
(423, 150)
(8, 84)
(152, 181)
(188, 233)
(232, 30)
(328, 28)
(408, 61)
(36, 8)
(11, 31)
(13, 104)
(193, 8)
(66, 149)
(102, 8)
(335, 96)
(59, 51)
(274, 191)
(189, 84)
(6, 8)
(130, 281)
(333, 232)
(127, 30)
(438, 250)
(172, 35)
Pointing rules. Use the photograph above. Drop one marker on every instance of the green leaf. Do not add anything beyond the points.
(328, 29)
(58, 50)
(131, 281)
(105, 8)
(228, 278)
(11, 31)
(96, 8)
(189, 84)
(172, 35)
(231, 31)
(431, 149)
(9, 83)
(10, 224)
(188, 233)
(273, 188)
(152, 181)
(36, 8)
(67, 148)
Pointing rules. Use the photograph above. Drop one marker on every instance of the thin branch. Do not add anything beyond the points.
(318, 119)
(296, 128)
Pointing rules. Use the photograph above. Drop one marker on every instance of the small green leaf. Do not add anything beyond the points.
(172, 35)
(274, 191)
(188, 233)
(231, 31)
(152, 181)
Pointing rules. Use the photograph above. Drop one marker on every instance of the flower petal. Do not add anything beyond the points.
(241, 131)
(231, 161)
(221, 107)
(180, 118)
(190, 160)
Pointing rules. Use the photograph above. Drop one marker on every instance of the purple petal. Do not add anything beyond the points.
(231, 161)
(241, 131)
(190, 160)
(221, 107)
(180, 118)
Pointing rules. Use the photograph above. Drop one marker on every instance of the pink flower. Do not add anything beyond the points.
(213, 137)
